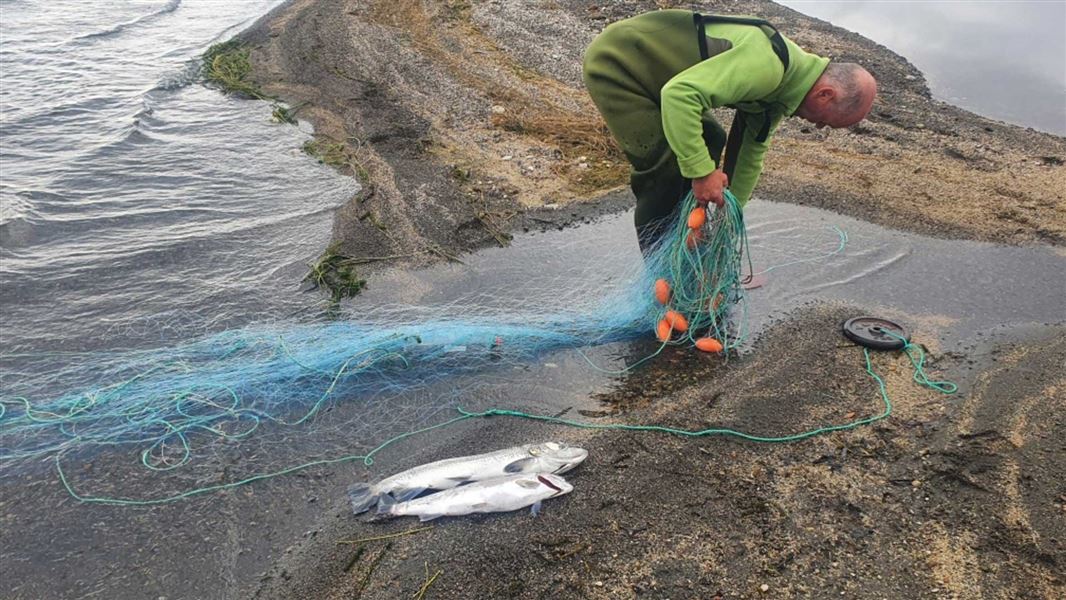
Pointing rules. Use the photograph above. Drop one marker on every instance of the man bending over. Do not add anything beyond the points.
(654, 78)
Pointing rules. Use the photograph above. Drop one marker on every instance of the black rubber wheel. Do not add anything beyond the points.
(870, 332)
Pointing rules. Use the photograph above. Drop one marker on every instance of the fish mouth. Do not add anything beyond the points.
(571, 462)
(547, 482)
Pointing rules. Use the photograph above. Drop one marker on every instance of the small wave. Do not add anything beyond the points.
(13, 208)
(16, 233)
(19, 214)
(177, 79)
(169, 7)
(867, 270)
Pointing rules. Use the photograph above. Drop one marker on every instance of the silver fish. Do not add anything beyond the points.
(502, 494)
(549, 457)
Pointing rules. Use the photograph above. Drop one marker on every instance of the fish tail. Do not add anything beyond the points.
(362, 497)
(386, 504)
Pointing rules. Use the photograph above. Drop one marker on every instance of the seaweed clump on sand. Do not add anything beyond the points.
(227, 66)
(337, 273)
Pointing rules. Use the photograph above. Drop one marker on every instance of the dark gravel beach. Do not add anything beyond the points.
(952, 497)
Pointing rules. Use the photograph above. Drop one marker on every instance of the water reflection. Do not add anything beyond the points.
(1004, 60)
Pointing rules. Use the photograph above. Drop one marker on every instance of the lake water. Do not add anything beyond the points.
(136, 205)
(1004, 60)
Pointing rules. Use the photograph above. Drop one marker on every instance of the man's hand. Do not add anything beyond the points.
(708, 189)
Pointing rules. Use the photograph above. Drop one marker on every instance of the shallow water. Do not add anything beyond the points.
(138, 207)
(1004, 60)
(969, 286)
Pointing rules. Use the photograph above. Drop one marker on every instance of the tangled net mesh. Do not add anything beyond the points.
(262, 386)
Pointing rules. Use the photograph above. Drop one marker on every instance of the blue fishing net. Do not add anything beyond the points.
(173, 406)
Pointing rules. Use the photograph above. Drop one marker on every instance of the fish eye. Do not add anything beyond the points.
(534, 451)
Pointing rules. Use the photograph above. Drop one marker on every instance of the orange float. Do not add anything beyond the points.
(663, 331)
(697, 217)
(662, 291)
(677, 321)
(709, 344)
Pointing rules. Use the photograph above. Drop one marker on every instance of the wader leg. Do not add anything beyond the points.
(661, 187)
(634, 119)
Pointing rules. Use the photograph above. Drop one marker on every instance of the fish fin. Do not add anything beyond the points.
(428, 517)
(520, 465)
(362, 496)
(408, 494)
(535, 509)
(461, 479)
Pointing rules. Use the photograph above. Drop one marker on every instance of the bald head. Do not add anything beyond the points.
(841, 97)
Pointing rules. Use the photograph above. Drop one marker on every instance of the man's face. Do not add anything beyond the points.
(823, 105)
(818, 110)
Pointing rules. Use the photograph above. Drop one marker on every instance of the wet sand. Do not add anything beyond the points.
(467, 121)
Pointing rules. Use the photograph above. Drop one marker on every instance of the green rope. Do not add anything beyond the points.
(842, 242)
(702, 297)
(368, 459)
(913, 352)
(945, 387)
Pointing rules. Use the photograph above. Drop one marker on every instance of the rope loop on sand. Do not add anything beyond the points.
(944, 387)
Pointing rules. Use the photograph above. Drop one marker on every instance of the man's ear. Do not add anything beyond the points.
(826, 93)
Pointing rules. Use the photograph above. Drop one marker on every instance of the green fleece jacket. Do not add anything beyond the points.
(746, 71)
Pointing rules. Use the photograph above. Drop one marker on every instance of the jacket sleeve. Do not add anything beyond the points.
(743, 73)
(749, 159)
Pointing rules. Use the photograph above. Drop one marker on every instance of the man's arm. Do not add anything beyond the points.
(745, 73)
(750, 157)
(749, 71)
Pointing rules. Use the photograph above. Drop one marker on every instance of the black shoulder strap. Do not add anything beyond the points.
(701, 35)
(732, 145)
(777, 42)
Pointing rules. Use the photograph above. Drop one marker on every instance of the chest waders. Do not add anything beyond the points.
(736, 131)
(624, 70)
